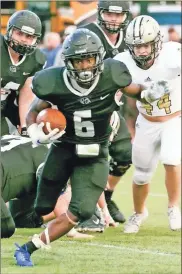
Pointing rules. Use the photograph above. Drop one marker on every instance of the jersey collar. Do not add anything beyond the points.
(107, 39)
(76, 92)
(12, 61)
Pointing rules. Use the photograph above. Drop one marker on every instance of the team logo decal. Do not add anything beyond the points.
(115, 51)
(148, 79)
(85, 101)
(12, 68)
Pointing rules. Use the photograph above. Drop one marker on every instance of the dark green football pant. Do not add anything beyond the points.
(88, 180)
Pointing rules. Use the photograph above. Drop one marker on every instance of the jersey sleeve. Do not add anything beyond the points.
(40, 61)
(171, 55)
(41, 85)
(177, 54)
(120, 74)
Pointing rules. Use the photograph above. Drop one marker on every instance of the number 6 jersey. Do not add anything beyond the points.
(87, 111)
(166, 67)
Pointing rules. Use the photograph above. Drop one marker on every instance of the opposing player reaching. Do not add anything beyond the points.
(158, 126)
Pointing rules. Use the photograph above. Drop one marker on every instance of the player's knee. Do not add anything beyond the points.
(118, 169)
(142, 176)
(86, 213)
(7, 227)
(83, 211)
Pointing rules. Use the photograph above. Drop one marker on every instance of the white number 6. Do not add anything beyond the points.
(83, 128)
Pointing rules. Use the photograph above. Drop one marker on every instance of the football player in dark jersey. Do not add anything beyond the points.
(84, 91)
(19, 163)
(20, 168)
(20, 59)
(112, 20)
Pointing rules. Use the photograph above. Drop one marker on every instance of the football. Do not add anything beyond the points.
(55, 117)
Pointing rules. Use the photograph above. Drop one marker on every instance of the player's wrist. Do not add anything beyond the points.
(32, 129)
(24, 132)
(144, 97)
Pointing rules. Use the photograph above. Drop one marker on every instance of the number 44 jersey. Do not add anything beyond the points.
(87, 111)
(167, 66)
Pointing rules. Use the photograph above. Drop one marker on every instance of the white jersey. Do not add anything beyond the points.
(166, 67)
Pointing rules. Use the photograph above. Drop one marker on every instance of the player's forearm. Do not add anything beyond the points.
(26, 97)
(131, 126)
(130, 115)
(25, 100)
(134, 91)
(36, 106)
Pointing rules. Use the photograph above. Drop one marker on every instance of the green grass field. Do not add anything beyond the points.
(155, 249)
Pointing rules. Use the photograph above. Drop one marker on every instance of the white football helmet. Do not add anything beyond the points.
(143, 30)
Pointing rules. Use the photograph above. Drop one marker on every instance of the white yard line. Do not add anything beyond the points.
(133, 250)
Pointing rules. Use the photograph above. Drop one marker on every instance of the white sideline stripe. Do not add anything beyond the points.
(150, 194)
(134, 250)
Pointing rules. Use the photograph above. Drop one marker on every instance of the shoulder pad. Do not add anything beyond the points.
(88, 26)
(123, 56)
(40, 57)
(44, 81)
(120, 73)
(171, 54)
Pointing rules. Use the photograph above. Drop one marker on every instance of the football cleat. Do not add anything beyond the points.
(174, 216)
(94, 224)
(22, 256)
(115, 213)
(135, 221)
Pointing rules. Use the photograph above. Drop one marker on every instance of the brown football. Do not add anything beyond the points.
(55, 117)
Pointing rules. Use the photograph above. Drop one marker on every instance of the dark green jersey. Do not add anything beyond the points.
(110, 49)
(13, 76)
(87, 114)
(18, 161)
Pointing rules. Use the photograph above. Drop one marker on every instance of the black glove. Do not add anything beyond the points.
(24, 132)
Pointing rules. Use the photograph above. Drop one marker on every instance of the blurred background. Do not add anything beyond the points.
(57, 15)
(60, 18)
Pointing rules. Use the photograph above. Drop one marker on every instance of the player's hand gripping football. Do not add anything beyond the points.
(156, 91)
(38, 137)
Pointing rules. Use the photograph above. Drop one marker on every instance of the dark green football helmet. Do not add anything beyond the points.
(116, 7)
(27, 22)
(82, 44)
